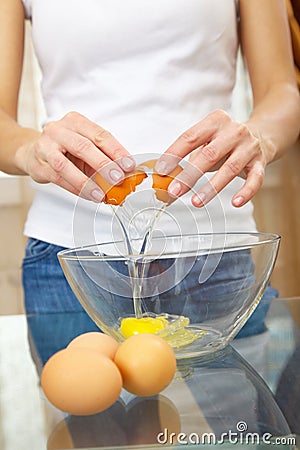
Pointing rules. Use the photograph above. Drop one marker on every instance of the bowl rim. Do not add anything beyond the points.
(266, 238)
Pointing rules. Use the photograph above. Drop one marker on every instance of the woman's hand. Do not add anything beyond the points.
(217, 143)
(69, 151)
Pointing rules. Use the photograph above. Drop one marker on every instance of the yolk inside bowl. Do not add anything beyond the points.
(132, 325)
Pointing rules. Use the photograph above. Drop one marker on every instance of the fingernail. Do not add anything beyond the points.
(161, 167)
(175, 188)
(115, 175)
(127, 162)
(97, 195)
(199, 199)
(238, 201)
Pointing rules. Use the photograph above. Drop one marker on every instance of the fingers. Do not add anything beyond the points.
(90, 149)
(96, 195)
(253, 183)
(83, 149)
(101, 138)
(228, 148)
(254, 180)
(57, 168)
(185, 180)
(67, 175)
(196, 136)
(219, 144)
(232, 167)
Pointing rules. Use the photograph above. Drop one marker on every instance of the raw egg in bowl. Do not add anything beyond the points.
(196, 291)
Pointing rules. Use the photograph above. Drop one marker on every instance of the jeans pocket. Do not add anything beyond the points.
(36, 250)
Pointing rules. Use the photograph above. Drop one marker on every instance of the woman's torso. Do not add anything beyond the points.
(146, 71)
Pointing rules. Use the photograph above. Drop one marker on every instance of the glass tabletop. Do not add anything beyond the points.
(246, 393)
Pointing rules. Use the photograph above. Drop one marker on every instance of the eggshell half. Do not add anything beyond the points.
(116, 194)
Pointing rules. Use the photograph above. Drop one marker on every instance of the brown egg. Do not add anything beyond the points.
(81, 381)
(116, 194)
(147, 364)
(94, 340)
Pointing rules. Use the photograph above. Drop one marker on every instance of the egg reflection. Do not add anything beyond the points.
(147, 417)
(106, 429)
(137, 423)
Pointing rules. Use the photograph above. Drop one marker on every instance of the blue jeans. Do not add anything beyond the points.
(47, 290)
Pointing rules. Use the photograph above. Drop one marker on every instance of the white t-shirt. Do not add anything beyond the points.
(146, 71)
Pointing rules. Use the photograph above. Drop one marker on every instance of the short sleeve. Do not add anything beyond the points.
(27, 8)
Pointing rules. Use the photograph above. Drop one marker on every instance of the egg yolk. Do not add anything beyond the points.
(131, 326)
(116, 194)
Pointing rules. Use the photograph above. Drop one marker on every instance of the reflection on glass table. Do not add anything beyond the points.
(246, 392)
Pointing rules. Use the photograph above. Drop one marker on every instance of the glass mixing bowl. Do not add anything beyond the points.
(195, 291)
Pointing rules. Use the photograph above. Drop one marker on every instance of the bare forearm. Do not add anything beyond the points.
(276, 119)
(12, 138)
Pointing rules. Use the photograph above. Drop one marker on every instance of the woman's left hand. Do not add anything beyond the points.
(217, 143)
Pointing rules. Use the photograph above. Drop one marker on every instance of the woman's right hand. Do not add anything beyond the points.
(69, 151)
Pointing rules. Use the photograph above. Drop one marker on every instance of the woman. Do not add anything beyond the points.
(127, 77)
